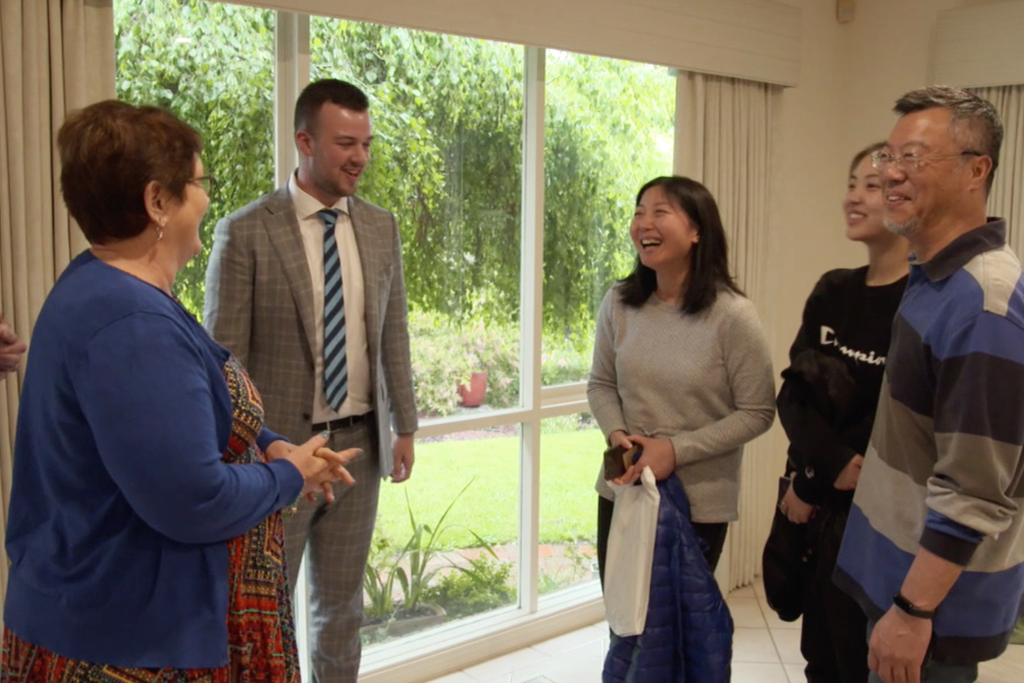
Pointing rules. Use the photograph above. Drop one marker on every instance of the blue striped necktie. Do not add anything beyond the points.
(335, 368)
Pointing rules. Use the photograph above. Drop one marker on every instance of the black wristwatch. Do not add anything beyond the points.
(900, 601)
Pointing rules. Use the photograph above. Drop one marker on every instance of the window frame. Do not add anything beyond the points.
(469, 640)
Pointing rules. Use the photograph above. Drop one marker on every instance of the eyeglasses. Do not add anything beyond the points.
(207, 182)
(910, 162)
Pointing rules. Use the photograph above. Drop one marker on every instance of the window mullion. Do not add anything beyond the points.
(291, 74)
(532, 307)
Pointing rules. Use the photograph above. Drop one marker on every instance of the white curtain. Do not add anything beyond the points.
(727, 134)
(55, 56)
(1007, 196)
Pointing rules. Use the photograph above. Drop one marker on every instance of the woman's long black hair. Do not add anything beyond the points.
(709, 261)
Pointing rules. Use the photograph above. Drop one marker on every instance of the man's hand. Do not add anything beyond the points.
(898, 645)
(795, 509)
(11, 349)
(404, 457)
(658, 454)
(847, 479)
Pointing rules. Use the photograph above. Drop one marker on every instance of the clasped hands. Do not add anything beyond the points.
(319, 466)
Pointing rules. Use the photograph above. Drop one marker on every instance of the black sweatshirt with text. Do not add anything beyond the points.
(830, 390)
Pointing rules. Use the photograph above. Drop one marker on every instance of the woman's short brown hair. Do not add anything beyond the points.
(109, 152)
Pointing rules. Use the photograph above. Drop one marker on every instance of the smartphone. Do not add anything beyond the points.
(617, 459)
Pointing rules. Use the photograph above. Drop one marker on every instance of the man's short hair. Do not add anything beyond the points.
(975, 124)
(317, 93)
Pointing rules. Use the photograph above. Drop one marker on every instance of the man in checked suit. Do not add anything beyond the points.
(274, 294)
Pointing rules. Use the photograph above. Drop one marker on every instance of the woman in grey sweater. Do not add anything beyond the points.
(681, 367)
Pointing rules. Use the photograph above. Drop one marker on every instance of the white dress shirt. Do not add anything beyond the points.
(357, 356)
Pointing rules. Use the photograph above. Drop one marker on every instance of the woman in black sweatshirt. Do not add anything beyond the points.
(827, 407)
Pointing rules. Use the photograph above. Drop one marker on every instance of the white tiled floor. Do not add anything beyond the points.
(765, 650)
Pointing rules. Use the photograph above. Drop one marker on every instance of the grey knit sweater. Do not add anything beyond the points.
(703, 381)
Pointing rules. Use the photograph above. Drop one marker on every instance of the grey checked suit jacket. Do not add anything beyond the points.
(259, 304)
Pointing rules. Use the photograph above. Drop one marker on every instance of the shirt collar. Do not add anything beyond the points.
(306, 205)
(956, 254)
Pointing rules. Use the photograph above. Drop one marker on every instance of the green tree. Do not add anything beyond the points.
(212, 65)
(447, 154)
(447, 115)
(608, 129)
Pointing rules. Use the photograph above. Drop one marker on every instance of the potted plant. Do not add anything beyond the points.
(471, 361)
(473, 393)
(473, 343)
(491, 363)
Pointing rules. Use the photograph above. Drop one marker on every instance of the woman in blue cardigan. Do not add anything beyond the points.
(144, 532)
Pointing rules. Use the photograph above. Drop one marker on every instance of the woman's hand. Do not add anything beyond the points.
(332, 472)
(319, 466)
(848, 478)
(795, 509)
(658, 454)
(619, 438)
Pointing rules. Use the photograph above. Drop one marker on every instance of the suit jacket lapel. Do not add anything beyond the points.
(283, 230)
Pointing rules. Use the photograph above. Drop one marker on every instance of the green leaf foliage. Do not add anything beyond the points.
(447, 156)
(212, 65)
(484, 585)
(447, 114)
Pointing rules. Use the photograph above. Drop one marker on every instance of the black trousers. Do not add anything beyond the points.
(713, 535)
(832, 636)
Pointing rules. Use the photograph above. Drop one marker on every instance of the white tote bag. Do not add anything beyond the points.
(627, 572)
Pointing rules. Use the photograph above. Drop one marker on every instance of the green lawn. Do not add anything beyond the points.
(569, 465)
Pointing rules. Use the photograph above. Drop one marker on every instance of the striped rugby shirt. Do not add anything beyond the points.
(944, 469)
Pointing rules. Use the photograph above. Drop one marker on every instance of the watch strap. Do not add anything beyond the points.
(901, 601)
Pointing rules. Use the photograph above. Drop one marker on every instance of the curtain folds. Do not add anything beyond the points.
(1007, 196)
(727, 136)
(55, 56)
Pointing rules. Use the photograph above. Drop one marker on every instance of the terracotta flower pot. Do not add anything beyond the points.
(473, 395)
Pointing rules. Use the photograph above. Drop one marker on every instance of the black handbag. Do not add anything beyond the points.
(787, 562)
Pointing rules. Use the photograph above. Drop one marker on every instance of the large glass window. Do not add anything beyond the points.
(447, 114)
(447, 160)
(571, 448)
(446, 541)
(212, 64)
(609, 128)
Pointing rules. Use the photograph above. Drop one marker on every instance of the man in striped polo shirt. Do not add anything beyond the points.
(934, 547)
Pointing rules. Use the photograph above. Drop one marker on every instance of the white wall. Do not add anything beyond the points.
(851, 74)
(810, 184)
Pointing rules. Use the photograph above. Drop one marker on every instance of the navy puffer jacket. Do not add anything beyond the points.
(688, 634)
